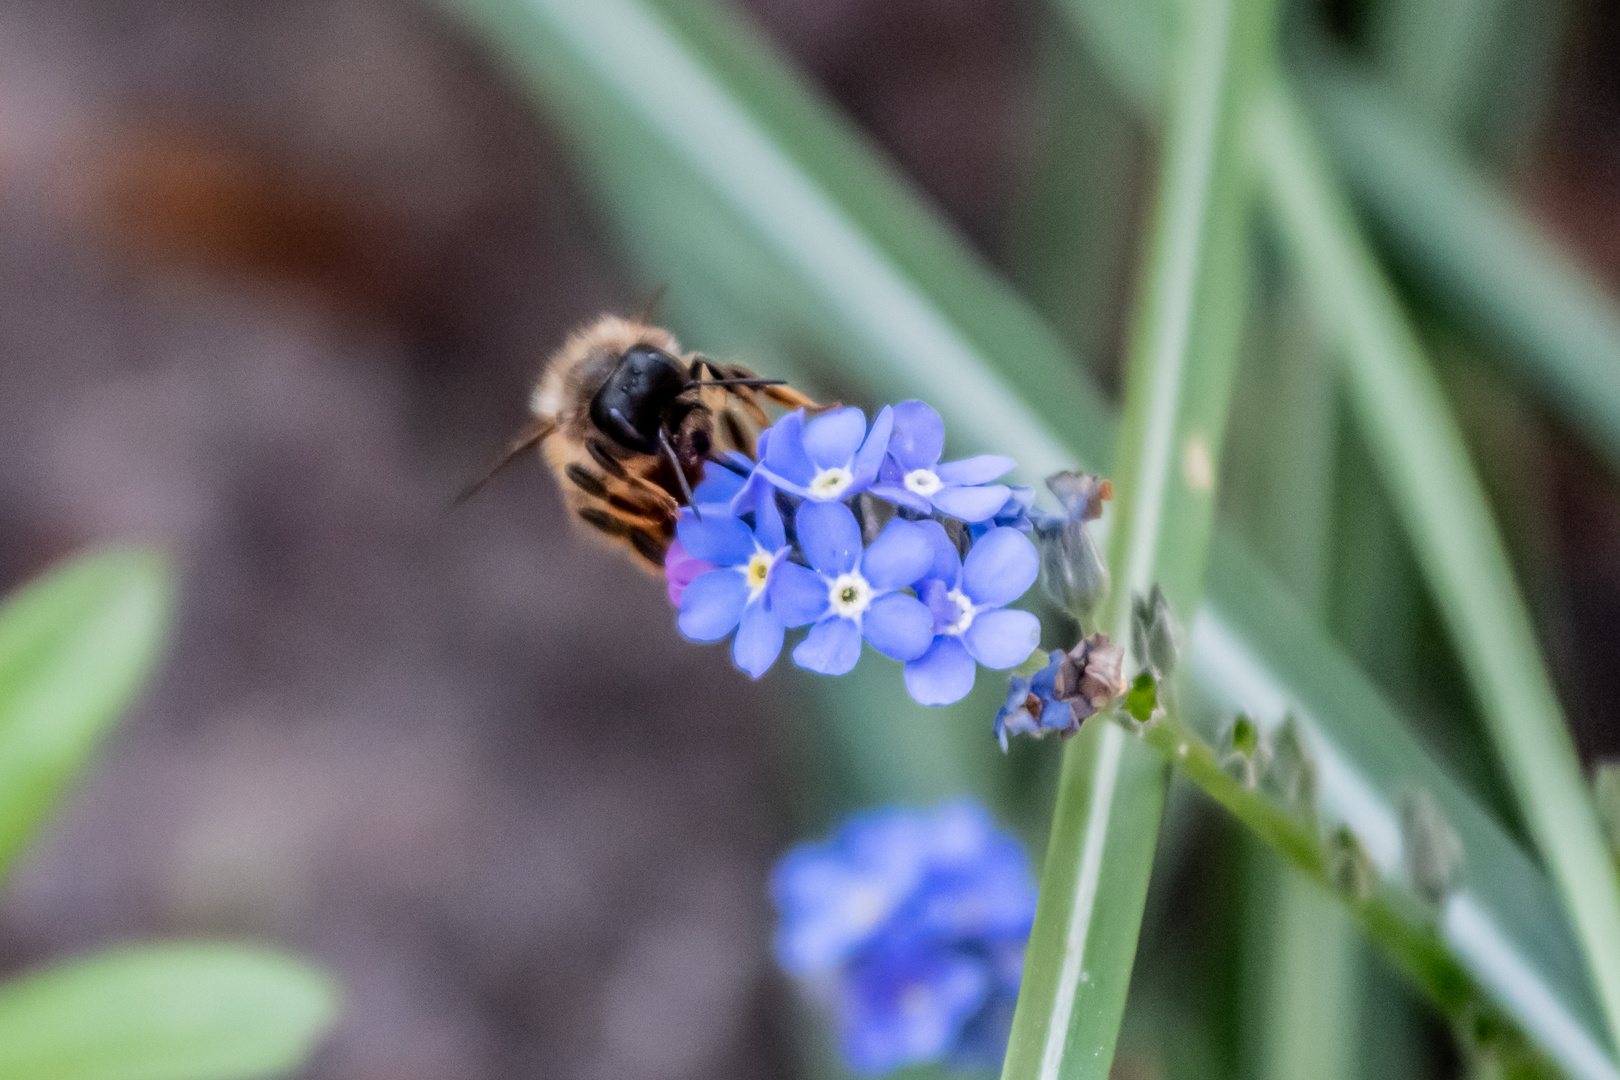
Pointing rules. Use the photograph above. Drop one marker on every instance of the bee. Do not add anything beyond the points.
(626, 421)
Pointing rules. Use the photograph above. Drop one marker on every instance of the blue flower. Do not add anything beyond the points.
(912, 476)
(851, 594)
(723, 481)
(1031, 708)
(970, 622)
(740, 594)
(828, 459)
(916, 922)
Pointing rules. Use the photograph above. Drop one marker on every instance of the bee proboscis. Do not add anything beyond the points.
(627, 422)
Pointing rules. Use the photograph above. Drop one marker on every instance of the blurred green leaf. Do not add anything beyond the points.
(164, 1012)
(75, 647)
(1495, 267)
(1424, 461)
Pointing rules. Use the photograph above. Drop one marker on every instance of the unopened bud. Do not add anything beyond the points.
(1072, 570)
(1290, 776)
(1154, 633)
(1349, 867)
(1245, 756)
(1433, 850)
(1090, 675)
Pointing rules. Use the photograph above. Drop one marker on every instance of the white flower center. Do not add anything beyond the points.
(831, 483)
(923, 482)
(850, 595)
(758, 571)
(963, 620)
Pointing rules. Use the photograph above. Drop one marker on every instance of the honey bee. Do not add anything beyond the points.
(626, 421)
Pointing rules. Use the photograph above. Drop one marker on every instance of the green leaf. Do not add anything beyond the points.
(164, 1012)
(75, 647)
(1423, 460)
(1183, 359)
(1494, 267)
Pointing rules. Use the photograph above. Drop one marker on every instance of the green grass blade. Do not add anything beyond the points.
(75, 647)
(164, 1012)
(1425, 464)
(1183, 358)
(1483, 255)
(1249, 646)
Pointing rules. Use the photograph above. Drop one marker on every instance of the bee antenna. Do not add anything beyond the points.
(744, 382)
(680, 474)
(532, 437)
(649, 307)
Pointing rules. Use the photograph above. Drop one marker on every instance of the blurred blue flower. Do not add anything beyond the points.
(826, 460)
(1031, 708)
(970, 622)
(911, 475)
(914, 923)
(739, 594)
(851, 594)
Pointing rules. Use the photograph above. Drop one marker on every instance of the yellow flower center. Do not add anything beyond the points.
(759, 569)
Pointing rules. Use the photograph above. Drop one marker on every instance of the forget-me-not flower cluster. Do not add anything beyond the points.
(776, 545)
(911, 925)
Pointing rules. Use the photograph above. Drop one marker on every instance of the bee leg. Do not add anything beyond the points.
(603, 457)
(649, 546)
(736, 433)
(680, 473)
(586, 481)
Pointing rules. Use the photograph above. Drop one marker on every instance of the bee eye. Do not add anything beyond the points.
(630, 407)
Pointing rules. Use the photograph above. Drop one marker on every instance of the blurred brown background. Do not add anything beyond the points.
(273, 279)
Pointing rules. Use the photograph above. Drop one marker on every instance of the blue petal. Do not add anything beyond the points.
(908, 1009)
(1057, 715)
(947, 565)
(833, 647)
(768, 529)
(1044, 681)
(1000, 568)
(724, 541)
(829, 536)
(975, 470)
(899, 626)
(758, 642)
(899, 557)
(1003, 638)
(870, 457)
(712, 604)
(971, 503)
(919, 437)
(796, 594)
(784, 453)
(720, 484)
(832, 438)
(941, 676)
(902, 496)
(935, 595)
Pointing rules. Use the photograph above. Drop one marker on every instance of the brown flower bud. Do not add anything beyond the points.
(1091, 675)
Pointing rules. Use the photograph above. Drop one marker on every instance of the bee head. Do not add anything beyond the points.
(634, 402)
